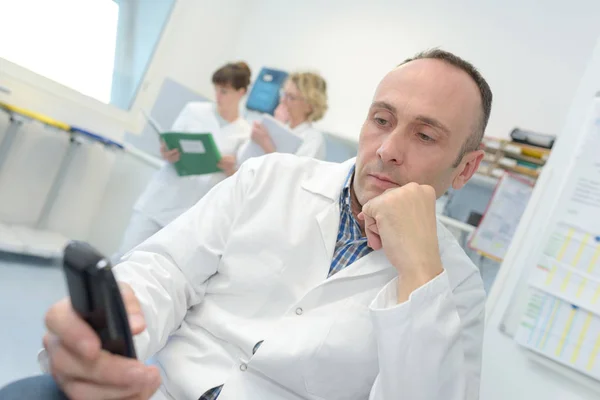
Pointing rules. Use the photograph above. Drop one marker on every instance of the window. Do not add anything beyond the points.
(100, 48)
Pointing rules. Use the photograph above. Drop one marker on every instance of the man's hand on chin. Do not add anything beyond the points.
(402, 221)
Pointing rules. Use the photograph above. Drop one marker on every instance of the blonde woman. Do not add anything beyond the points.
(303, 101)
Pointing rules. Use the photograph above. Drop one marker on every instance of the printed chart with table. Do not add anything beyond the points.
(562, 320)
(562, 317)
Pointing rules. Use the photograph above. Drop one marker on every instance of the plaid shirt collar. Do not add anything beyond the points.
(346, 195)
(351, 226)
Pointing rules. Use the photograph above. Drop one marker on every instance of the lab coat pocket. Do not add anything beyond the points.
(344, 365)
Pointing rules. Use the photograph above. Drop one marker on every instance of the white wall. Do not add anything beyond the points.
(199, 38)
(531, 52)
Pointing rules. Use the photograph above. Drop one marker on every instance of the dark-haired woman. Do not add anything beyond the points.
(168, 195)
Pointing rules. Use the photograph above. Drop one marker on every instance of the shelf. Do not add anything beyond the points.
(516, 148)
(503, 155)
(523, 171)
(521, 157)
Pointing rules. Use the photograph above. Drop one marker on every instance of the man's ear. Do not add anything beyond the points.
(467, 167)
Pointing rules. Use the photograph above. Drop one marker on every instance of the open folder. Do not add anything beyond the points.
(199, 154)
(284, 140)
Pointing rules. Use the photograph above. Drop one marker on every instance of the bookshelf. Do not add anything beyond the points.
(503, 155)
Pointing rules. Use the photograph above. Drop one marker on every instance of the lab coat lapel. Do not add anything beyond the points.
(329, 220)
(299, 130)
(328, 183)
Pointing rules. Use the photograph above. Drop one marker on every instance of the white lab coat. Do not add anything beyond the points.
(249, 262)
(313, 144)
(168, 195)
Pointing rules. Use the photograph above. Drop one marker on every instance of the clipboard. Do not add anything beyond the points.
(284, 140)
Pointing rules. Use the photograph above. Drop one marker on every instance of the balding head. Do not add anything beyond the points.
(485, 91)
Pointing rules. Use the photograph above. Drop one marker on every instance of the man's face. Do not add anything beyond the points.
(421, 116)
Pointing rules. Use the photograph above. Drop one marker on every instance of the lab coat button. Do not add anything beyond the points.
(243, 367)
(299, 311)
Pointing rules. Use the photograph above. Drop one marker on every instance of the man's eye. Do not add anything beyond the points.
(381, 121)
(424, 137)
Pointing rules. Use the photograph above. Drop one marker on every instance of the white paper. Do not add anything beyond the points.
(562, 320)
(562, 332)
(192, 146)
(583, 209)
(495, 232)
(577, 284)
(569, 268)
(284, 140)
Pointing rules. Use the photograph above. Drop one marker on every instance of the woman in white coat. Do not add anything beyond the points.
(303, 100)
(168, 195)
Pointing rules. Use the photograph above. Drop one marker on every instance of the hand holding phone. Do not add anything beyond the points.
(98, 316)
(96, 297)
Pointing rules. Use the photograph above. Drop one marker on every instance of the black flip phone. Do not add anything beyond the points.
(95, 296)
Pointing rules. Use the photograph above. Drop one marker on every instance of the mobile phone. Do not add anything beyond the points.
(96, 297)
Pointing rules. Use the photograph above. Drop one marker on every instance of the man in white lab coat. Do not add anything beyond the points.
(299, 279)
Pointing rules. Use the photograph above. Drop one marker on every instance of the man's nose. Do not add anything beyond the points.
(392, 148)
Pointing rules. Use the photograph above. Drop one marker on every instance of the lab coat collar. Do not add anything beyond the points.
(302, 127)
(329, 182)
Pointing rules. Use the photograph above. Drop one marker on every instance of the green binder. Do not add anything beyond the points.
(199, 153)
